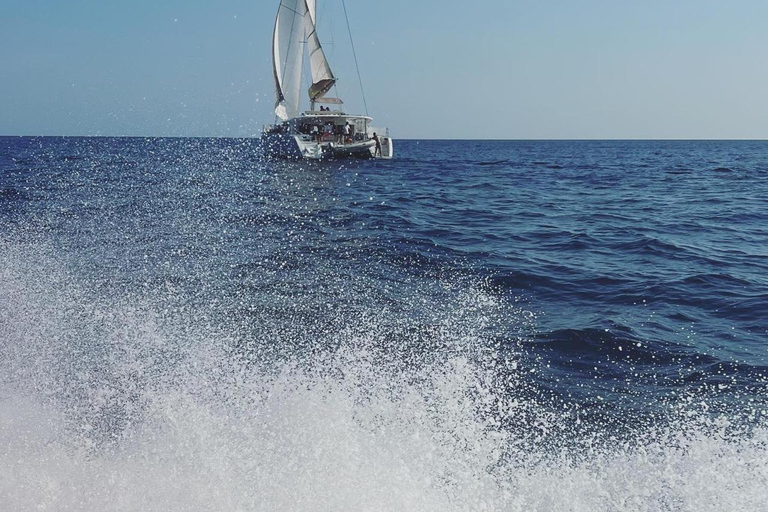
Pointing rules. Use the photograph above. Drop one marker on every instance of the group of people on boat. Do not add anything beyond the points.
(343, 134)
(326, 131)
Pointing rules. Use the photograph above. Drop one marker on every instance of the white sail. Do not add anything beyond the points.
(312, 9)
(322, 76)
(288, 55)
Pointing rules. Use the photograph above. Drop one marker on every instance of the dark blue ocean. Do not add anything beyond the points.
(472, 326)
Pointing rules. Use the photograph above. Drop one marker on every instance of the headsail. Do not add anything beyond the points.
(288, 56)
(322, 76)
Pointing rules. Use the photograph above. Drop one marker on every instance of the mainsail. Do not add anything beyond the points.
(295, 26)
(288, 56)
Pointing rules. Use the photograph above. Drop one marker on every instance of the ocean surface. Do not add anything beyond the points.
(472, 326)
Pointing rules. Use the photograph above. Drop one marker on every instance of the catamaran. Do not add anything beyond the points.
(327, 132)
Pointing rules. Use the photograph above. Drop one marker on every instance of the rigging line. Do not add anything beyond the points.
(354, 54)
(291, 9)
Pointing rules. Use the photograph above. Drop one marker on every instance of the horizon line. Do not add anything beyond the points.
(532, 139)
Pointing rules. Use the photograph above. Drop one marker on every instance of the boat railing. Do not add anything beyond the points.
(323, 113)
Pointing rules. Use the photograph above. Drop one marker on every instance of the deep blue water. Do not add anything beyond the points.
(473, 324)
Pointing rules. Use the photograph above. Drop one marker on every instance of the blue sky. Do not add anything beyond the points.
(486, 69)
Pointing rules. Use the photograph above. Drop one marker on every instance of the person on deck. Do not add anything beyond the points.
(347, 133)
(378, 145)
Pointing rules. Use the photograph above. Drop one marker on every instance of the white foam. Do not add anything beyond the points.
(107, 405)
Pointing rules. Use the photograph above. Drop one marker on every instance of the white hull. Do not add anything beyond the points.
(290, 140)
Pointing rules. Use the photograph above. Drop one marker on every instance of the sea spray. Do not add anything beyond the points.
(127, 403)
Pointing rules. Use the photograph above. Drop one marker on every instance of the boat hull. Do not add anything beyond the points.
(299, 147)
(284, 145)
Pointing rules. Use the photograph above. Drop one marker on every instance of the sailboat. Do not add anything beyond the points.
(316, 133)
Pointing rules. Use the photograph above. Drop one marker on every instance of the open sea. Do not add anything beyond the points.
(473, 326)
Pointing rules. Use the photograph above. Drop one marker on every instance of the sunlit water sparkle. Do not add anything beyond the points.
(492, 326)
